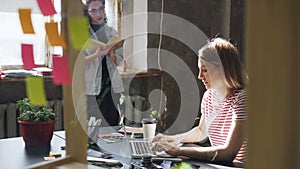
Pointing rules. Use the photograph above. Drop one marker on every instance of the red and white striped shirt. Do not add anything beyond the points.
(220, 115)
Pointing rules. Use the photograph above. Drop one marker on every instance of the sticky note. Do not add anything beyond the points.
(26, 22)
(53, 36)
(46, 7)
(61, 73)
(78, 31)
(36, 90)
(27, 56)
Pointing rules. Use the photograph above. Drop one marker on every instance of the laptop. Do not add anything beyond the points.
(138, 147)
(141, 148)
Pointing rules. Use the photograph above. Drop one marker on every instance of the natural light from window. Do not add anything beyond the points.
(12, 36)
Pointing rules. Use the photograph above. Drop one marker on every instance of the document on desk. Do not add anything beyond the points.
(130, 130)
(111, 137)
(104, 162)
(97, 159)
(98, 154)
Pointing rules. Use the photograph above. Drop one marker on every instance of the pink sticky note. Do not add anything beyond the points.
(27, 56)
(60, 72)
(46, 7)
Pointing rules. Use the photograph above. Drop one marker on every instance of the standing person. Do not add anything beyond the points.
(103, 82)
(223, 108)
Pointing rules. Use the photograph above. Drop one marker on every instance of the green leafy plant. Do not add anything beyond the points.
(153, 113)
(31, 113)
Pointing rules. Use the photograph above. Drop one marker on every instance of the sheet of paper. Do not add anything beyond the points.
(26, 22)
(46, 7)
(60, 72)
(36, 90)
(78, 31)
(27, 56)
(53, 36)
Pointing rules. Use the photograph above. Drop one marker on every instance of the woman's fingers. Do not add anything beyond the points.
(164, 146)
(155, 146)
(157, 138)
(101, 52)
(111, 49)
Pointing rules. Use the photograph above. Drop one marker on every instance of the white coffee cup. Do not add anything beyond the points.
(149, 127)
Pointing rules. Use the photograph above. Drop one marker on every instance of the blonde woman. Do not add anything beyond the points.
(223, 108)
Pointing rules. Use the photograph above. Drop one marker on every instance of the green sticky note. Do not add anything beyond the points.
(35, 90)
(78, 32)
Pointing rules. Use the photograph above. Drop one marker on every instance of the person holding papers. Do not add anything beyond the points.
(103, 82)
(223, 108)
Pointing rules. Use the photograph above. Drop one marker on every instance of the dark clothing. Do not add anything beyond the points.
(107, 103)
(96, 27)
(107, 100)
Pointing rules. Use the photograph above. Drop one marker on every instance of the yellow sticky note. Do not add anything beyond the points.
(78, 31)
(26, 22)
(53, 36)
(36, 90)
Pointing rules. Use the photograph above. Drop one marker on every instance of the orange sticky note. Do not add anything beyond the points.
(53, 36)
(36, 90)
(46, 7)
(27, 56)
(61, 72)
(25, 19)
(78, 31)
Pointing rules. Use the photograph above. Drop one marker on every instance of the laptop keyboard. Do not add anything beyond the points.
(140, 148)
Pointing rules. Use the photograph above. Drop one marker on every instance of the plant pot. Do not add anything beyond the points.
(37, 133)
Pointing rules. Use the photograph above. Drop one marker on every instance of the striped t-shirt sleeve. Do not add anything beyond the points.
(240, 106)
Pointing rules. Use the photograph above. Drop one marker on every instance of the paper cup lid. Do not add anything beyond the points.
(148, 120)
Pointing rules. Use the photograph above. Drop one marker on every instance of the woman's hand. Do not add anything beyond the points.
(100, 52)
(165, 143)
(111, 54)
(157, 137)
(161, 137)
(169, 148)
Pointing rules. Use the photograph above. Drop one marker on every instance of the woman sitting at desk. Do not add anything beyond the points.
(223, 108)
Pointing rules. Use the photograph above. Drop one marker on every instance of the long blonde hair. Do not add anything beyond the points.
(235, 73)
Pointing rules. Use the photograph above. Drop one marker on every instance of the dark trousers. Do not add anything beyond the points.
(107, 104)
(104, 108)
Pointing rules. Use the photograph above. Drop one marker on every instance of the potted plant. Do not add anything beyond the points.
(36, 123)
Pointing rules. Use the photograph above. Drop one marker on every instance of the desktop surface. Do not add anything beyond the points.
(14, 154)
(121, 151)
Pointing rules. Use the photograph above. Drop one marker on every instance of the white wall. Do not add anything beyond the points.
(14, 5)
(111, 13)
(134, 29)
(140, 42)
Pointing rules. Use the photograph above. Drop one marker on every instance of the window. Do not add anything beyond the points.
(12, 36)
